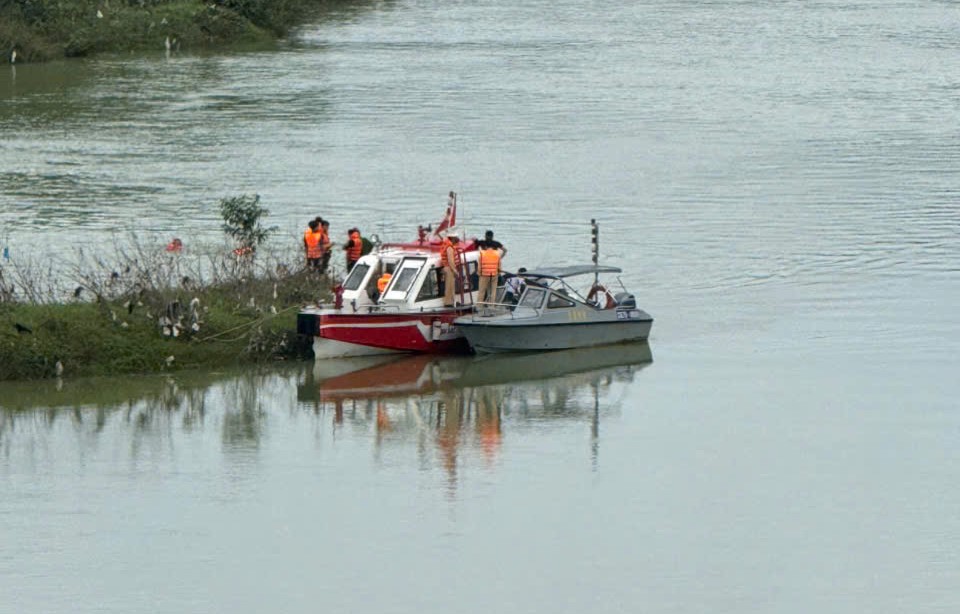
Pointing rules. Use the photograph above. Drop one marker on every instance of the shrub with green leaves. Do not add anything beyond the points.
(241, 220)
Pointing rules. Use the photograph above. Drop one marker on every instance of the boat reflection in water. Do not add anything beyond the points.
(468, 401)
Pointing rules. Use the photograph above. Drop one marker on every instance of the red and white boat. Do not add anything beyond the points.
(409, 316)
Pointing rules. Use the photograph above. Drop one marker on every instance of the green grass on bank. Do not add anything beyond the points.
(46, 29)
(241, 321)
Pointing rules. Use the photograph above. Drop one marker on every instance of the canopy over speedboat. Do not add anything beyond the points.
(551, 314)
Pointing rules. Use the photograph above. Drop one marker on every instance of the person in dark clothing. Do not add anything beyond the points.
(325, 260)
(489, 242)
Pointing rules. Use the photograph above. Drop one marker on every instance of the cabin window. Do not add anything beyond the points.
(404, 279)
(558, 302)
(431, 286)
(355, 278)
(533, 297)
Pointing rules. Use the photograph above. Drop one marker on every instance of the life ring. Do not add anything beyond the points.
(593, 297)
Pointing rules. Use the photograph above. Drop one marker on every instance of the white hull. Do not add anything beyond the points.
(331, 348)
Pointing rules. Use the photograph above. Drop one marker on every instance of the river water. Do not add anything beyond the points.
(780, 183)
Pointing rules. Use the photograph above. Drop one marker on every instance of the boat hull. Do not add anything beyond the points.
(331, 348)
(431, 332)
(513, 337)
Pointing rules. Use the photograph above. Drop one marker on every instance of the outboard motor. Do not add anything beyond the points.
(625, 300)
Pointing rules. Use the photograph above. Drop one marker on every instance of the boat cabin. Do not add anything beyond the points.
(360, 286)
(417, 282)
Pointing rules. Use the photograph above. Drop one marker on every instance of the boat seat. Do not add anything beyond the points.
(625, 300)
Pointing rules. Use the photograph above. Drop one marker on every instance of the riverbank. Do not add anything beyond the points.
(136, 320)
(41, 30)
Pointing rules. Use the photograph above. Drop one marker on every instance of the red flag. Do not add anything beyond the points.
(450, 218)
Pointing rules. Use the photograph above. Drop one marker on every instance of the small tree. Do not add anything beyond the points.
(241, 217)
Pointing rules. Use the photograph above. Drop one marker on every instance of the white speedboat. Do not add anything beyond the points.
(552, 314)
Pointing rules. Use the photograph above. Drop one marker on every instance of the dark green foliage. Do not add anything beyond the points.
(241, 220)
(43, 29)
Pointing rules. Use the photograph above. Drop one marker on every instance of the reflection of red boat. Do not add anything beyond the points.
(425, 374)
(408, 316)
(396, 378)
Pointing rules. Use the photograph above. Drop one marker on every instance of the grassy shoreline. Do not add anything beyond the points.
(41, 30)
(147, 310)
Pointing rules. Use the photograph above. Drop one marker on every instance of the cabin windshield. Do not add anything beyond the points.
(533, 298)
(557, 301)
(356, 276)
(403, 278)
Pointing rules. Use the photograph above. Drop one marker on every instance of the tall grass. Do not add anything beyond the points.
(140, 308)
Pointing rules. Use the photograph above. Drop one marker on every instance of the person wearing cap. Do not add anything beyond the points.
(451, 261)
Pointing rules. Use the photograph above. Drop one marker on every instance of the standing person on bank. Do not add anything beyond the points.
(312, 241)
(353, 247)
(326, 243)
(451, 261)
(311, 228)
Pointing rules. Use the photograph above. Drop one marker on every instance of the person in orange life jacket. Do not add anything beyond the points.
(450, 260)
(313, 241)
(325, 240)
(311, 228)
(353, 247)
(489, 272)
(382, 282)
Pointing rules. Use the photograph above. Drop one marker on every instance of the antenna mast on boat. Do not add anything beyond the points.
(595, 239)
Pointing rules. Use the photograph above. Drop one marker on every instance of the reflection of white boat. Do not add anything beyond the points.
(425, 374)
(551, 315)
(408, 316)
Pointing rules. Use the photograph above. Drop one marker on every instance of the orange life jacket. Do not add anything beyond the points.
(457, 255)
(353, 254)
(489, 261)
(324, 239)
(314, 244)
(383, 281)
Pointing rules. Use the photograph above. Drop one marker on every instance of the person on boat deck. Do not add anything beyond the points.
(325, 241)
(489, 240)
(489, 271)
(312, 240)
(451, 260)
(513, 287)
(353, 247)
